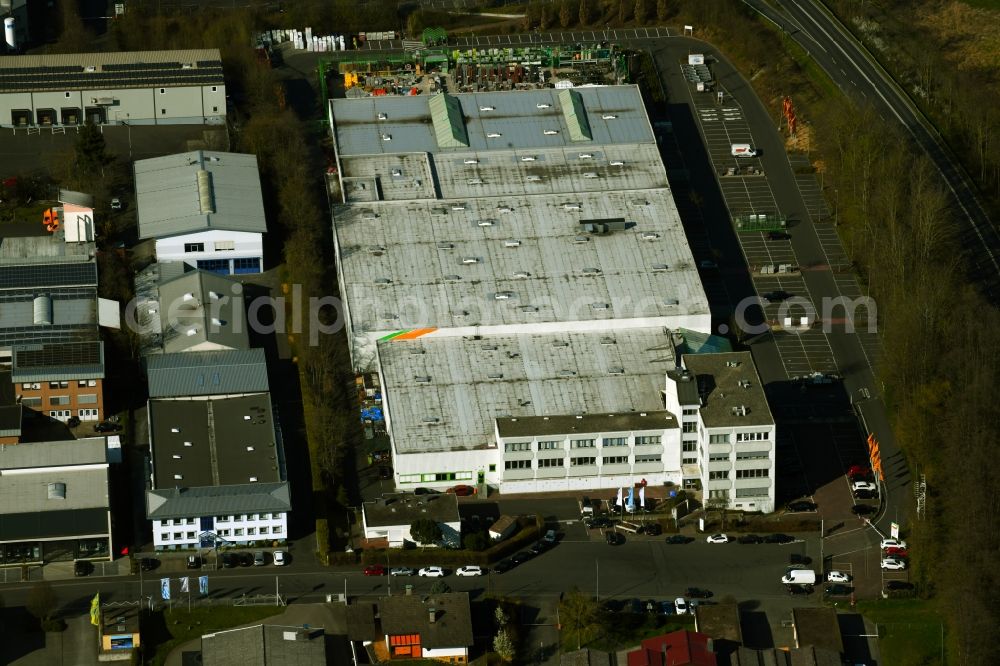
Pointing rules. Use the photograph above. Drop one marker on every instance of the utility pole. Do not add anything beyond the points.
(597, 580)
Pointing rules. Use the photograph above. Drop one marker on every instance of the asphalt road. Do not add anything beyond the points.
(850, 66)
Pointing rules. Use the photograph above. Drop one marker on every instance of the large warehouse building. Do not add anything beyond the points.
(514, 267)
(138, 88)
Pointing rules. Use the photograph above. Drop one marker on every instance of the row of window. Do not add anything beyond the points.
(62, 400)
(762, 473)
(218, 246)
(247, 516)
(752, 455)
(263, 530)
(606, 442)
(221, 266)
(753, 492)
(579, 461)
(740, 437)
(439, 476)
(64, 414)
(80, 383)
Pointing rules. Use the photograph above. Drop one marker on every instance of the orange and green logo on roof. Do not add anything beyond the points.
(407, 334)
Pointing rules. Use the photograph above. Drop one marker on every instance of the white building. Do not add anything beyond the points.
(125, 88)
(203, 208)
(728, 432)
(391, 516)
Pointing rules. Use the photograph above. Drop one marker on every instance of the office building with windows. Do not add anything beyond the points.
(728, 432)
(203, 208)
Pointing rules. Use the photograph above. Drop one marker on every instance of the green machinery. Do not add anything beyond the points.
(760, 222)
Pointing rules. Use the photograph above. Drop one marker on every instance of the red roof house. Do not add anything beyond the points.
(680, 648)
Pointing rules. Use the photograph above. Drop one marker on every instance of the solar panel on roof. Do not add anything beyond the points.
(47, 275)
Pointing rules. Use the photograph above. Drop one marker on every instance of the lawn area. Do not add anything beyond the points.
(624, 630)
(165, 630)
(910, 630)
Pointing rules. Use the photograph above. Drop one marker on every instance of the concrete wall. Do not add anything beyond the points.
(246, 246)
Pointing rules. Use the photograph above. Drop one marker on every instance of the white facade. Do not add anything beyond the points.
(219, 251)
(398, 534)
(738, 465)
(243, 529)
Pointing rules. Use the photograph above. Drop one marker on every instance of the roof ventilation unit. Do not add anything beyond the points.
(616, 371)
(504, 209)
(522, 274)
(599, 306)
(453, 278)
(42, 311)
(590, 271)
(659, 268)
(383, 281)
(486, 223)
(422, 379)
(205, 199)
(495, 375)
(533, 179)
(512, 243)
(445, 246)
(528, 308)
(377, 250)
(650, 236)
(590, 174)
(581, 239)
(470, 260)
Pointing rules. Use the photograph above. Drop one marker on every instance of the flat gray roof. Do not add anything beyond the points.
(437, 263)
(103, 71)
(44, 489)
(173, 197)
(726, 383)
(403, 509)
(201, 311)
(213, 442)
(206, 373)
(86, 451)
(521, 119)
(444, 393)
(265, 645)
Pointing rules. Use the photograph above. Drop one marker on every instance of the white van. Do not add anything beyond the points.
(743, 150)
(799, 577)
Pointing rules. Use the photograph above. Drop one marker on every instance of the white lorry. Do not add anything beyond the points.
(743, 150)
(799, 577)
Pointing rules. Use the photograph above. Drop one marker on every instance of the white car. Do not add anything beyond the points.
(401, 571)
(471, 570)
(680, 606)
(431, 572)
(280, 558)
(863, 485)
(838, 577)
(893, 564)
(892, 543)
(116, 204)
(717, 538)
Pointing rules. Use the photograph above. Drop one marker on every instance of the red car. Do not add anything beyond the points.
(897, 551)
(858, 472)
(462, 491)
(374, 570)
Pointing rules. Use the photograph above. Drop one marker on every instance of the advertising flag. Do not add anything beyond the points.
(642, 497)
(165, 589)
(631, 498)
(95, 610)
(618, 502)
(203, 584)
(185, 585)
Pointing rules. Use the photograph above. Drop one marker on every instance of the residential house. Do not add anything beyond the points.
(265, 645)
(433, 626)
(678, 648)
(390, 517)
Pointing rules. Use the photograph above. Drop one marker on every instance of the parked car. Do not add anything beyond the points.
(148, 563)
(612, 605)
(680, 606)
(898, 589)
(697, 593)
(633, 606)
(402, 571)
(838, 577)
(522, 557)
(778, 235)
(116, 204)
(838, 590)
(858, 472)
(503, 566)
(245, 560)
(799, 589)
(779, 538)
(229, 560)
(749, 538)
(717, 538)
(863, 486)
(899, 585)
(865, 494)
(802, 505)
(863, 509)
(614, 538)
(667, 608)
(893, 564)
(462, 491)
(676, 539)
(470, 570)
(654, 529)
(550, 536)
(431, 572)
(374, 570)
(107, 426)
(280, 558)
(194, 562)
(82, 568)
(540, 547)
(897, 551)
(892, 543)
(259, 559)
(426, 491)
(776, 296)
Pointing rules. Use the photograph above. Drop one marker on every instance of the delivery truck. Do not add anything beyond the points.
(743, 150)
(799, 577)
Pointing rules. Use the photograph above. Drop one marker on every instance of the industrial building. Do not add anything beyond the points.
(204, 209)
(514, 267)
(133, 88)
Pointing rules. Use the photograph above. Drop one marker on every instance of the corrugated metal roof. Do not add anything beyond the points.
(112, 58)
(58, 362)
(575, 114)
(87, 451)
(170, 202)
(206, 373)
(201, 308)
(217, 500)
(449, 127)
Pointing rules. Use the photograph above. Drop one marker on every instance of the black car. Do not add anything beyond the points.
(899, 585)
(697, 593)
(778, 235)
(148, 563)
(679, 539)
(865, 494)
(799, 589)
(245, 559)
(612, 606)
(107, 426)
(801, 505)
(749, 538)
(540, 547)
(838, 590)
(654, 529)
(425, 491)
(776, 296)
(798, 558)
(614, 538)
(229, 560)
(82, 568)
(633, 606)
(503, 566)
(522, 557)
(778, 538)
(600, 522)
(193, 562)
(863, 509)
